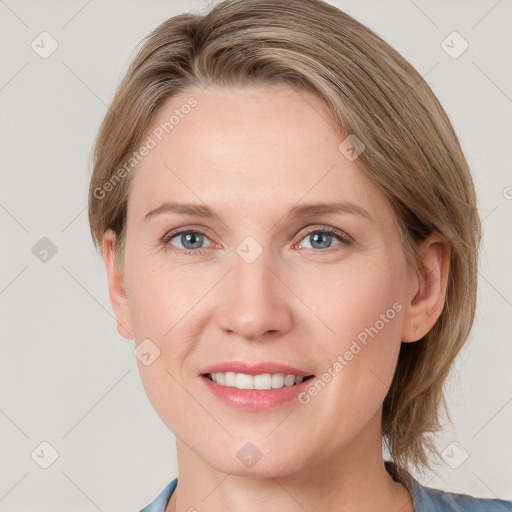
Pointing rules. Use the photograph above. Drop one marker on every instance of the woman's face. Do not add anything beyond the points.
(263, 282)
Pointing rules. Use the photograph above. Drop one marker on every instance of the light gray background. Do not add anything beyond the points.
(69, 379)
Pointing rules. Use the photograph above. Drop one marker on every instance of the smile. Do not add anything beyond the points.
(262, 381)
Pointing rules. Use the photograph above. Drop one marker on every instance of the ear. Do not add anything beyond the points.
(116, 287)
(428, 289)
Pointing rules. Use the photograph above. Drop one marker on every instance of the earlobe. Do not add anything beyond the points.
(426, 301)
(116, 287)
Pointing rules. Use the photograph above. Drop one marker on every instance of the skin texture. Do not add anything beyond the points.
(250, 154)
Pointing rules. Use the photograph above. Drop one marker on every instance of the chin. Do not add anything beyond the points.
(256, 460)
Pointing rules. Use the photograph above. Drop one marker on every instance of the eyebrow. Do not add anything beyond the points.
(305, 210)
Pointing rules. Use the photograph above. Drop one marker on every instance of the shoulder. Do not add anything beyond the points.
(160, 502)
(427, 499)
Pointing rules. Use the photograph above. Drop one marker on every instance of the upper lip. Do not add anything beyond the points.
(254, 368)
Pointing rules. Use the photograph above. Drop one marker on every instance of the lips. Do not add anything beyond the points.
(255, 400)
(254, 368)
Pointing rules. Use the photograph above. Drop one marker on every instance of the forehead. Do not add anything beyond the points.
(250, 147)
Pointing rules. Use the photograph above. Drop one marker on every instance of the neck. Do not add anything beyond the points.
(352, 479)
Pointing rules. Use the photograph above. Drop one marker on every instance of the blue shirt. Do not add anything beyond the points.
(425, 499)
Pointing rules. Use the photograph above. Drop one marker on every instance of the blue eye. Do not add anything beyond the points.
(322, 238)
(192, 240)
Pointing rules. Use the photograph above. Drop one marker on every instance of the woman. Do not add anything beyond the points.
(290, 234)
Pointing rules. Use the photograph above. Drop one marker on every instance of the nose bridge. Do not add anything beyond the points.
(253, 302)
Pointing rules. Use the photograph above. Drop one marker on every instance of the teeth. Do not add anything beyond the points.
(262, 381)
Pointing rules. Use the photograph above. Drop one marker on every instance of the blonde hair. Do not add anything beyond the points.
(411, 153)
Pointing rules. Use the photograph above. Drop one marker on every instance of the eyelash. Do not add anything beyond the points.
(345, 240)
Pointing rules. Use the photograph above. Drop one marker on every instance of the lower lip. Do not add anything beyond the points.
(256, 399)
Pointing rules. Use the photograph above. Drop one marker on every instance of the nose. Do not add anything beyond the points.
(253, 300)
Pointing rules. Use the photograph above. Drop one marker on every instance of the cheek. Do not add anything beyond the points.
(160, 297)
(360, 301)
(162, 310)
(363, 311)
(166, 308)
